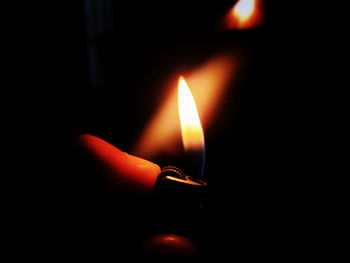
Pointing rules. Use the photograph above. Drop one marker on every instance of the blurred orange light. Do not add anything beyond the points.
(244, 14)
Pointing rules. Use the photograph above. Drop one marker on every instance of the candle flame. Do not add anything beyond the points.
(192, 132)
(244, 14)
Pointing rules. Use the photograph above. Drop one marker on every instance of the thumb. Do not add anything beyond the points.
(128, 174)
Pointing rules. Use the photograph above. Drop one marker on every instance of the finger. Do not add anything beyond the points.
(128, 173)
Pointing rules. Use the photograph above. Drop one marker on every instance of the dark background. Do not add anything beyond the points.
(95, 68)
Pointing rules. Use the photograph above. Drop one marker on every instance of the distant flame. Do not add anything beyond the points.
(244, 9)
(191, 128)
(244, 14)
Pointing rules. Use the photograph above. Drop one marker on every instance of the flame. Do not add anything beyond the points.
(244, 10)
(209, 85)
(244, 14)
(191, 127)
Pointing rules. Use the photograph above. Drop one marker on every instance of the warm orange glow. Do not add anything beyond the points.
(209, 85)
(191, 127)
(244, 10)
(244, 14)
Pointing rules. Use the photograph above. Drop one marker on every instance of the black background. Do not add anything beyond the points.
(258, 203)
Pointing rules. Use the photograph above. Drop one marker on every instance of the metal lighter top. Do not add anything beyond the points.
(172, 178)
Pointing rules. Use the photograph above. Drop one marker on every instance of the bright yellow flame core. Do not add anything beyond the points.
(244, 9)
(192, 132)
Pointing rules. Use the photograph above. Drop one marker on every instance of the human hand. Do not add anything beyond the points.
(133, 177)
